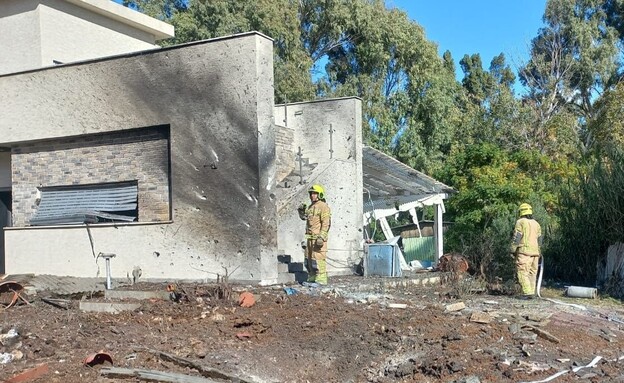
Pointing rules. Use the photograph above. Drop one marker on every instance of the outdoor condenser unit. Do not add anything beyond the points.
(382, 259)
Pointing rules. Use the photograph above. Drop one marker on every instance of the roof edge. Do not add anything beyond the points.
(140, 53)
(319, 100)
(159, 29)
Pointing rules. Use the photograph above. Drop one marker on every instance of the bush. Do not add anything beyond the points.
(591, 216)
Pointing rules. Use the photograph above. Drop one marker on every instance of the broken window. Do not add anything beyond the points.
(100, 203)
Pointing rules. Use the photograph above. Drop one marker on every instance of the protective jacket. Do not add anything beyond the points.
(318, 220)
(527, 237)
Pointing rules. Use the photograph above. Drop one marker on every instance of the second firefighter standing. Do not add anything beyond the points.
(318, 222)
(525, 248)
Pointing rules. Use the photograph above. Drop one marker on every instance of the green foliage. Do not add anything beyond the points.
(607, 127)
(491, 183)
(591, 216)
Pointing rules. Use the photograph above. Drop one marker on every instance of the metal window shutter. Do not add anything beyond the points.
(85, 205)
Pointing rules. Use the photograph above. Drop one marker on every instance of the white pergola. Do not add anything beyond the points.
(391, 187)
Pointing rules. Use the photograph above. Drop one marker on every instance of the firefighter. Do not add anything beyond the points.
(318, 222)
(525, 248)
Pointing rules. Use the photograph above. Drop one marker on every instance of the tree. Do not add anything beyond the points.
(607, 127)
(328, 48)
(573, 60)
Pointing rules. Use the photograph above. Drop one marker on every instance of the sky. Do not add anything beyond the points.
(487, 27)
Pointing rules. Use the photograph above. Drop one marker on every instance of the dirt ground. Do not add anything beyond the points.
(335, 334)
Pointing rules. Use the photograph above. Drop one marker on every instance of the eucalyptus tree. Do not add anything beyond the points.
(573, 60)
(328, 48)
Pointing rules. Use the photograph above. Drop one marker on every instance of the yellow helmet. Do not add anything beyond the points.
(317, 189)
(525, 209)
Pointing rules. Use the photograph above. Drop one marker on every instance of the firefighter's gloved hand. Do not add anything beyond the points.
(301, 210)
(319, 242)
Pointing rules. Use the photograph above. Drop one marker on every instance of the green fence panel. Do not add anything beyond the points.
(422, 249)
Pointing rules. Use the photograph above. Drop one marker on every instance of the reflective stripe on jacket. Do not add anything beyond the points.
(528, 231)
(318, 220)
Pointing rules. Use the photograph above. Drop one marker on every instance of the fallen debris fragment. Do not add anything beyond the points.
(28, 375)
(151, 375)
(97, 358)
(246, 299)
(455, 307)
(9, 338)
(243, 335)
(207, 372)
(290, 291)
(397, 305)
(542, 333)
(60, 303)
(480, 317)
(575, 369)
(177, 294)
(10, 294)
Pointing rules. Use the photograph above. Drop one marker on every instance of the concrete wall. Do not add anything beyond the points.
(70, 33)
(35, 33)
(340, 173)
(20, 42)
(217, 98)
(140, 155)
(5, 170)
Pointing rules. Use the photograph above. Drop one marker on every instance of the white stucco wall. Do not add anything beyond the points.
(35, 33)
(20, 44)
(217, 98)
(340, 173)
(70, 33)
(154, 248)
(5, 170)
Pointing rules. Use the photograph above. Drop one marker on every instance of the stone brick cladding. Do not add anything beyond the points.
(140, 155)
(284, 151)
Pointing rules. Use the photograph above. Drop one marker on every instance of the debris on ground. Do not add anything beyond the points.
(384, 333)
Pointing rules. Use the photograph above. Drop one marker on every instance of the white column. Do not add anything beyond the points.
(412, 212)
(437, 230)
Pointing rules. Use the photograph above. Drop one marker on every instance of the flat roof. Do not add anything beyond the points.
(159, 29)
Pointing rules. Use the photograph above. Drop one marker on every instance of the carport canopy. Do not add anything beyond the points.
(391, 186)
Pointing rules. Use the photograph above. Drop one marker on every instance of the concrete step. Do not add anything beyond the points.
(282, 267)
(107, 307)
(285, 278)
(138, 295)
(283, 258)
(300, 276)
(295, 267)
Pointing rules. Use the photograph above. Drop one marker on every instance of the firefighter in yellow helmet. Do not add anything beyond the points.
(318, 222)
(525, 248)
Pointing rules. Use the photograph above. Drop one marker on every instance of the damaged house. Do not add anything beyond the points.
(174, 159)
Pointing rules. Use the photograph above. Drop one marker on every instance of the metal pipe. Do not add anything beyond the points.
(581, 292)
(108, 275)
(107, 258)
